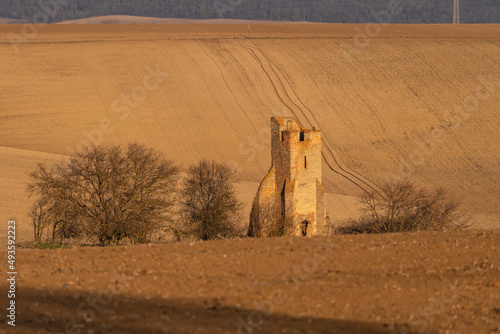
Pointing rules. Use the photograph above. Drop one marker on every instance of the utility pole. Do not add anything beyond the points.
(456, 12)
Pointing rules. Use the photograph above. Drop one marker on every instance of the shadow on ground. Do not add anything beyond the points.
(80, 312)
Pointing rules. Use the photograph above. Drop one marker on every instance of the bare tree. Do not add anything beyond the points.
(41, 217)
(270, 222)
(404, 207)
(263, 219)
(108, 193)
(209, 207)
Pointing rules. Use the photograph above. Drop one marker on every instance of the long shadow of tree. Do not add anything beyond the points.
(64, 312)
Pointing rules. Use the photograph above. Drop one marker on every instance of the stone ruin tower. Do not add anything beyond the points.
(290, 199)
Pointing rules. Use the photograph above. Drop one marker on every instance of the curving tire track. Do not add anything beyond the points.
(228, 86)
(278, 85)
(326, 141)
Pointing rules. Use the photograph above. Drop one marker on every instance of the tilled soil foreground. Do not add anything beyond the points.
(428, 282)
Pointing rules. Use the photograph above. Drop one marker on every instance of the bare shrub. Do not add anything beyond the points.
(41, 217)
(106, 193)
(404, 207)
(51, 217)
(209, 207)
(264, 220)
(275, 224)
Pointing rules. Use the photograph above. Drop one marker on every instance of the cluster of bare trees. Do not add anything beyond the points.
(405, 207)
(108, 194)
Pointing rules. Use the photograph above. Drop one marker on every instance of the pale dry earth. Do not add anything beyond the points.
(9, 21)
(128, 19)
(425, 282)
(380, 101)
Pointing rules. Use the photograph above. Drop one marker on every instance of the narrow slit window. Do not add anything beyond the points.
(302, 136)
(305, 162)
(281, 135)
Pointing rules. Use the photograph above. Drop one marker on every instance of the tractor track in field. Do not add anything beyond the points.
(286, 96)
(228, 87)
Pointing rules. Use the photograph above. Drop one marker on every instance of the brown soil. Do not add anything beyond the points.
(400, 283)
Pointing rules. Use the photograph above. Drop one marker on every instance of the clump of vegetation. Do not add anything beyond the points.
(271, 222)
(47, 245)
(105, 193)
(209, 207)
(405, 207)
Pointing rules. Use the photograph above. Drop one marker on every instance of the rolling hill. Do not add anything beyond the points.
(392, 101)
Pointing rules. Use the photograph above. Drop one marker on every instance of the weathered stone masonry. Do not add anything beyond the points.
(290, 199)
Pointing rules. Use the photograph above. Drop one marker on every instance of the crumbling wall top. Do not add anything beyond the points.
(291, 124)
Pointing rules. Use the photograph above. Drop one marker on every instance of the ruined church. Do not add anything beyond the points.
(290, 199)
